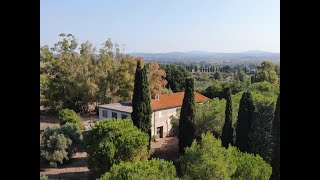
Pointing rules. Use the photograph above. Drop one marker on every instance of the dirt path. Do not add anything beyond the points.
(166, 148)
(75, 169)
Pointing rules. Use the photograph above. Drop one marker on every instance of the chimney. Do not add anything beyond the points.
(156, 97)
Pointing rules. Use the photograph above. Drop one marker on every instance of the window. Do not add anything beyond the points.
(114, 115)
(104, 113)
(124, 116)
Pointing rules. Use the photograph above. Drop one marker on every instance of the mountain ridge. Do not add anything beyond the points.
(252, 55)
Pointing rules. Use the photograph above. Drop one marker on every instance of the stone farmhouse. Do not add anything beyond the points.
(164, 106)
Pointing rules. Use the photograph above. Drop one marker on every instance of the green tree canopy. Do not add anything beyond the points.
(266, 72)
(217, 75)
(69, 116)
(81, 81)
(251, 167)
(144, 170)
(208, 159)
(276, 141)
(58, 144)
(175, 75)
(112, 141)
(210, 116)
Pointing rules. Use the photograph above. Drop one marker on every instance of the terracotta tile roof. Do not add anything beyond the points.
(173, 100)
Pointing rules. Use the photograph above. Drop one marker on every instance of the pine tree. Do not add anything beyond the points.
(275, 162)
(141, 102)
(227, 130)
(187, 116)
(245, 118)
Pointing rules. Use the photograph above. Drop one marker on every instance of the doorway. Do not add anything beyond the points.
(160, 132)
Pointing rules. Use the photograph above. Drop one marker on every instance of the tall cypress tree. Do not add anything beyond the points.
(136, 98)
(145, 123)
(227, 130)
(245, 118)
(252, 79)
(275, 162)
(187, 116)
(141, 101)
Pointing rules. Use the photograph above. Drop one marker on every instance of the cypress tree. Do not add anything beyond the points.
(141, 101)
(252, 79)
(245, 118)
(187, 116)
(145, 123)
(260, 131)
(227, 130)
(275, 162)
(135, 115)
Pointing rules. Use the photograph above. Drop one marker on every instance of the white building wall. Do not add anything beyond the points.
(159, 118)
(162, 118)
(109, 113)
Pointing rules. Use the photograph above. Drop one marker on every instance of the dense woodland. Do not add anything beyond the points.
(74, 76)
(234, 135)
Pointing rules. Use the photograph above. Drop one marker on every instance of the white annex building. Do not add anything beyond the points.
(164, 106)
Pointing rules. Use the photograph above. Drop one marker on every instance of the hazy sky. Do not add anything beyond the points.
(165, 25)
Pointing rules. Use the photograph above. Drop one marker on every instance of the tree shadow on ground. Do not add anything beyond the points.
(168, 151)
(72, 163)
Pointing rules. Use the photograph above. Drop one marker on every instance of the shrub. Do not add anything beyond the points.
(54, 148)
(72, 132)
(153, 137)
(68, 115)
(175, 124)
(144, 170)
(58, 144)
(115, 140)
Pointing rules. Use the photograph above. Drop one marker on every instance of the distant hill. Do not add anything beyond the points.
(256, 52)
(209, 56)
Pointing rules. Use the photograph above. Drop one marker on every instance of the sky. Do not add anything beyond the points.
(165, 25)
